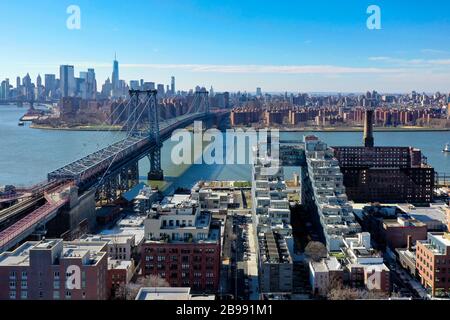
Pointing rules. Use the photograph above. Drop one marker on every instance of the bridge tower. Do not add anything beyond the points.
(201, 102)
(156, 173)
(151, 102)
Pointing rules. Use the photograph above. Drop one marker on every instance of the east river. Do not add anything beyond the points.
(27, 155)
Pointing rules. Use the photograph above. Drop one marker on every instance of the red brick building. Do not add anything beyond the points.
(433, 263)
(182, 245)
(384, 174)
(55, 270)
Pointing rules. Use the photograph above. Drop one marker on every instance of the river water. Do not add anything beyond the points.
(27, 155)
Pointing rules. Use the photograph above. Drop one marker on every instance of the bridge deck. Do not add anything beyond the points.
(25, 226)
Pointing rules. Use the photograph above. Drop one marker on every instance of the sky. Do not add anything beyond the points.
(294, 46)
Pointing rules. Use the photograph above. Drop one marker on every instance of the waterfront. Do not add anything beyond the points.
(27, 155)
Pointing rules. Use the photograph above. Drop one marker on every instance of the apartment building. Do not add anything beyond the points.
(120, 246)
(327, 189)
(182, 245)
(433, 263)
(275, 263)
(325, 274)
(365, 266)
(272, 225)
(55, 270)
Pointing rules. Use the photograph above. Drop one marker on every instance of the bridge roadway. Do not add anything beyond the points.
(84, 173)
(54, 200)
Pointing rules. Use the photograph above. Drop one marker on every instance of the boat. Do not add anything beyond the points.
(446, 148)
(21, 123)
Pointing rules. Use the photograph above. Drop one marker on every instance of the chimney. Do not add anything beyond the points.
(368, 129)
(409, 243)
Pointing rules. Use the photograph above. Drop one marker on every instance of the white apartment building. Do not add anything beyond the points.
(272, 218)
(334, 210)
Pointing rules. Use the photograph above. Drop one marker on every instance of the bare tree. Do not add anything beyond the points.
(341, 292)
(130, 291)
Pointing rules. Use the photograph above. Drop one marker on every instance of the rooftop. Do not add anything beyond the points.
(169, 294)
(89, 252)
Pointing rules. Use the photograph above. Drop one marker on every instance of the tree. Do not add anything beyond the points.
(130, 291)
(340, 292)
(316, 251)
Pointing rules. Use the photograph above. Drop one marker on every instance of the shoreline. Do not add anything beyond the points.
(83, 128)
(354, 129)
(283, 129)
(402, 129)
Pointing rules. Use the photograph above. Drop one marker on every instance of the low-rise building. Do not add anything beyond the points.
(120, 246)
(276, 264)
(120, 272)
(390, 227)
(324, 275)
(365, 266)
(172, 294)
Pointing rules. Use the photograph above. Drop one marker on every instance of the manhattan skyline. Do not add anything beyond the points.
(280, 47)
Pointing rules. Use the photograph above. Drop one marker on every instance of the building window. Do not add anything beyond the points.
(24, 284)
(68, 295)
(56, 275)
(24, 275)
(12, 275)
(12, 295)
(24, 295)
(56, 295)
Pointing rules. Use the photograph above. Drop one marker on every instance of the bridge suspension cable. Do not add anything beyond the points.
(122, 143)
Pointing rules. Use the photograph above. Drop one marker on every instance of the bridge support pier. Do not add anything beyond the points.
(156, 173)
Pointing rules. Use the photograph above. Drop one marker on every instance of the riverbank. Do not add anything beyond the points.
(78, 128)
(358, 129)
(282, 129)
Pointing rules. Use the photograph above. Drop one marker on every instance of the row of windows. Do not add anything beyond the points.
(56, 295)
(175, 258)
(182, 251)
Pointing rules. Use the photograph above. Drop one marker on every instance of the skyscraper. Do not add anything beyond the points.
(4, 90)
(134, 85)
(50, 84)
(160, 88)
(67, 81)
(115, 77)
(28, 87)
(90, 83)
(172, 88)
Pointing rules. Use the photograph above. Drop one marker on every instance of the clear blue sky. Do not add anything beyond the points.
(297, 45)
